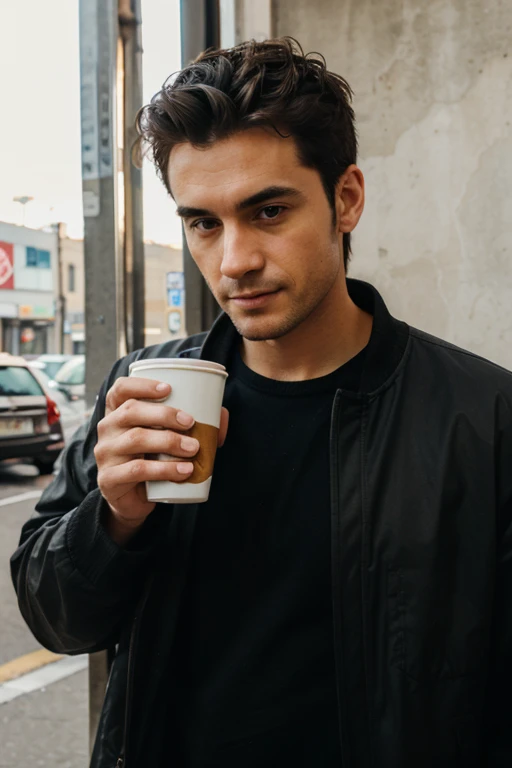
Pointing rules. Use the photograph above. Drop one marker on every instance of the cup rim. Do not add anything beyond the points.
(177, 362)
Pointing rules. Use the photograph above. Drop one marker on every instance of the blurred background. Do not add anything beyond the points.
(92, 263)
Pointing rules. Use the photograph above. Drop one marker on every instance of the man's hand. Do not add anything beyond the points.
(131, 429)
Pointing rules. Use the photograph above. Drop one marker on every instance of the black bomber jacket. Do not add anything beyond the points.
(421, 513)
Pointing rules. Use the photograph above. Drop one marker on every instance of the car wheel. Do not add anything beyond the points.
(44, 467)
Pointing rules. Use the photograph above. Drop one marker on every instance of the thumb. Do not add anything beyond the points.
(223, 428)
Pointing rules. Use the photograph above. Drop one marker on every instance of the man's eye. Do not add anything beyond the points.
(271, 211)
(204, 225)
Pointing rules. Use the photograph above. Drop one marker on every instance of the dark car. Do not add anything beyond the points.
(30, 425)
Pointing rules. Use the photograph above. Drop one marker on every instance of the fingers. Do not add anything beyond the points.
(137, 413)
(139, 441)
(134, 387)
(114, 481)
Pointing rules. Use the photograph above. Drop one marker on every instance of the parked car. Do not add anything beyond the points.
(72, 414)
(70, 379)
(51, 363)
(30, 425)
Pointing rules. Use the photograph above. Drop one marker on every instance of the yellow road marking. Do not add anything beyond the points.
(28, 663)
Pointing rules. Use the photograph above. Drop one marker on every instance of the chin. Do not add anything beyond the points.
(263, 329)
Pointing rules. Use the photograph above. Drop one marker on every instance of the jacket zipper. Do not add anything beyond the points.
(335, 571)
(121, 760)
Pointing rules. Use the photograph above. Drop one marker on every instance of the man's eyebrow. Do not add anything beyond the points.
(186, 212)
(269, 193)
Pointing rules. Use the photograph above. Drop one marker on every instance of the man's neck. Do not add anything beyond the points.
(331, 336)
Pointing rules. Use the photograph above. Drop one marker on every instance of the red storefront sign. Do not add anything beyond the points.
(6, 266)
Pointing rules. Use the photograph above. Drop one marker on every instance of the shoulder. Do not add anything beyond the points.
(457, 367)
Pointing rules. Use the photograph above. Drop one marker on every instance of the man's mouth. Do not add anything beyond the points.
(254, 299)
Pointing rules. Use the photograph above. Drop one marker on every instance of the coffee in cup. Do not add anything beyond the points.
(197, 387)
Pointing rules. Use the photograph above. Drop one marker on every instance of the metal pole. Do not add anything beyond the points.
(131, 35)
(200, 29)
(104, 305)
(104, 310)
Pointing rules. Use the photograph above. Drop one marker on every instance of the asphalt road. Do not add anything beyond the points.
(47, 726)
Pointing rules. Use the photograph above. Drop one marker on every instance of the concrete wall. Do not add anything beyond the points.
(433, 98)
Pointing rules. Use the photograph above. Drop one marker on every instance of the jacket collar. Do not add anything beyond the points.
(386, 348)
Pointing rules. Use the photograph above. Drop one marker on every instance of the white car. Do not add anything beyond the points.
(72, 413)
(70, 379)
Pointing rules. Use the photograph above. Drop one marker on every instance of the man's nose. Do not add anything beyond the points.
(241, 253)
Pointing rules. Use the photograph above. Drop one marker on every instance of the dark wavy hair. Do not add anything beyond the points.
(272, 83)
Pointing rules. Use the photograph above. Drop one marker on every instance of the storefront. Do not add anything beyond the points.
(27, 311)
(27, 337)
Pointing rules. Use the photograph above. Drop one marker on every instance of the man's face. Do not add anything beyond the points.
(260, 228)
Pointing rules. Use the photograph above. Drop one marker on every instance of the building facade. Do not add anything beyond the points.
(42, 292)
(165, 297)
(73, 291)
(28, 284)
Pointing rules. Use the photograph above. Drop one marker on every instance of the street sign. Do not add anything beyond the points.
(174, 320)
(176, 281)
(175, 298)
(175, 291)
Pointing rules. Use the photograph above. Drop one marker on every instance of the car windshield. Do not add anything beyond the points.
(15, 380)
(72, 372)
(52, 367)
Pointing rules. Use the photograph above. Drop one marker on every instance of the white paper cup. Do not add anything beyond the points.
(197, 387)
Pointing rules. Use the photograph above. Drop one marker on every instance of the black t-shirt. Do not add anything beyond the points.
(254, 678)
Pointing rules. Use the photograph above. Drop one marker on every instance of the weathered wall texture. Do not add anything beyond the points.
(433, 98)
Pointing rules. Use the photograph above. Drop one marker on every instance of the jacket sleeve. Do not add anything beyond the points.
(498, 706)
(76, 587)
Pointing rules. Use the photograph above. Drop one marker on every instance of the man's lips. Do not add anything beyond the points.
(254, 299)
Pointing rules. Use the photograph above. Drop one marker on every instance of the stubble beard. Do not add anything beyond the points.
(300, 311)
(286, 326)
(298, 314)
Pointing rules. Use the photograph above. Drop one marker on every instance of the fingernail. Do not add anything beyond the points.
(189, 444)
(184, 419)
(162, 386)
(185, 467)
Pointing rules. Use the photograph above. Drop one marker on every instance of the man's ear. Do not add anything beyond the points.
(349, 199)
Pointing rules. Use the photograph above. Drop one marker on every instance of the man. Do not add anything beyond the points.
(343, 598)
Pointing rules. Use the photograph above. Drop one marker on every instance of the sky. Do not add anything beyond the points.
(40, 154)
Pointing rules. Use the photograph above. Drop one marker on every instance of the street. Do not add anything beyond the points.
(43, 700)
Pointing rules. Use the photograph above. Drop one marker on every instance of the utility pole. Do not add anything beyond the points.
(111, 94)
(104, 321)
(131, 36)
(200, 29)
